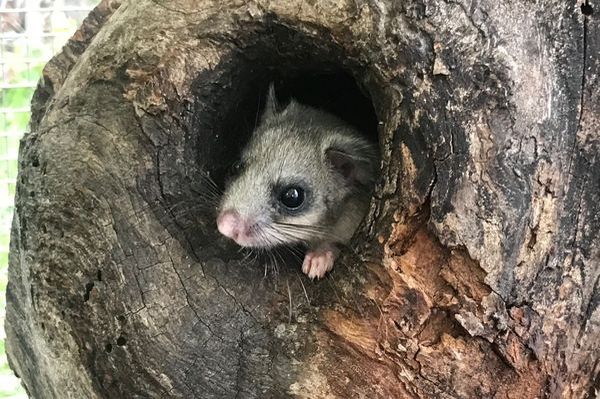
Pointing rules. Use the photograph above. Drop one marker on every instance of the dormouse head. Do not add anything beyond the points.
(295, 176)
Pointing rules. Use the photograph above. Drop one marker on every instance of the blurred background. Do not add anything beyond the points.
(31, 32)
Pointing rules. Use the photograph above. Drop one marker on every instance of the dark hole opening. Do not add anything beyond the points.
(88, 289)
(230, 99)
(335, 92)
(315, 74)
(586, 9)
(121, 341)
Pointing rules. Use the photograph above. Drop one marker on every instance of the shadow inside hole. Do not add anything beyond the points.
(586, 9)
(231, 98)
(334, 91)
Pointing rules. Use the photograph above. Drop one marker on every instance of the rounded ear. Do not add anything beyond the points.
(353, 168)
(272, 107)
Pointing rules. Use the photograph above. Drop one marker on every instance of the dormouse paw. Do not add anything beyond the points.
(319, 261)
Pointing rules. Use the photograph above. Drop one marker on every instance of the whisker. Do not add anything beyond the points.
(248, 251)
(270, 234)
(255, 254)
(210, 188)
(195, 207)
(312, 228)
(206, 177)
(257, 114)
(210, 198)
(304, 289)
(261, 234)
(287, 282)
(296, 252)
(285, 232)
(315, 228)
(278, 255)
(306, 233)
(272, 259)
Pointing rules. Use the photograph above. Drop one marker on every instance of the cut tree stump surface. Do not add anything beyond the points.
(475, 274)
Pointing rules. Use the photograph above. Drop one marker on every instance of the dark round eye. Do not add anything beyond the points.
(292, 197)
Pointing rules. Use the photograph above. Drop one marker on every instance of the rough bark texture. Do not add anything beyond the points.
(475, 275)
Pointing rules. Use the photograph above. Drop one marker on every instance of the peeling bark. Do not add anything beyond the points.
(475, 275)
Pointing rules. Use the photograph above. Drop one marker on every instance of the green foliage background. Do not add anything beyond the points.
(12, 123)
(28, 39)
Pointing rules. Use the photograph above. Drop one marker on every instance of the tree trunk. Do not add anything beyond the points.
(475, 274)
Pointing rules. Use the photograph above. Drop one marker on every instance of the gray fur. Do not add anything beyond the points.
(291, 146)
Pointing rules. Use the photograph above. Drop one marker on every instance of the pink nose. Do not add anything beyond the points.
(230, 224)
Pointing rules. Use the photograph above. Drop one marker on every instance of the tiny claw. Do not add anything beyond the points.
(319, 261)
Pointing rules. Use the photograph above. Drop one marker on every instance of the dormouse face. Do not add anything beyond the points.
(282, 195)
(294, 176)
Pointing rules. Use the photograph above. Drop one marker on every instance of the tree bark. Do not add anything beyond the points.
(475, 274)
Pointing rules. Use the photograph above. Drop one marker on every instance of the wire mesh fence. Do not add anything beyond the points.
(31, 32)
